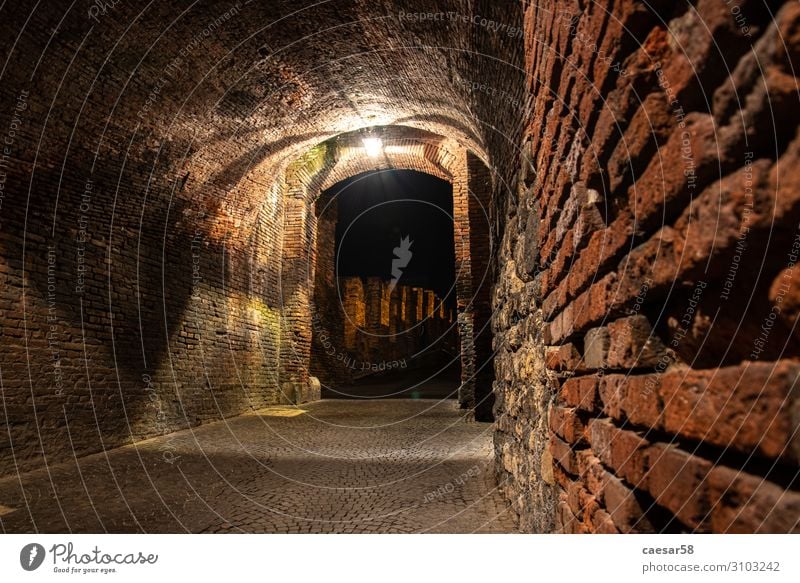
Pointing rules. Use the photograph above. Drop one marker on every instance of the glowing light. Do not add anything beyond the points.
(373, 146)
(280, 412)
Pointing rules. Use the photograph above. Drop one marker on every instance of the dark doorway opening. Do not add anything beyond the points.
(378, 210)
(387, 297)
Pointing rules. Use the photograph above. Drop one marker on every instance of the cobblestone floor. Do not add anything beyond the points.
(342, 466)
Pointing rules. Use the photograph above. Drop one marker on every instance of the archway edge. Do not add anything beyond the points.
(405, 148)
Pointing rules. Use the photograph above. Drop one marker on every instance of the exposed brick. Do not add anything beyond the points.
(613, 390)
(563, 454)
(743, 503)
(634, 398)
(589, 221)
(784, 293)
(580, 392)
(563, 358)
(678, 481)
(596, 344)
(603, 523)
(566, 522)
(753, 407)
(158, 181)
(567, 424)
(634, 344)
(591, 472)
(622, 506)
(623, 451)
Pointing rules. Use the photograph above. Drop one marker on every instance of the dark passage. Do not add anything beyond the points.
(379, 209)
(394, 303)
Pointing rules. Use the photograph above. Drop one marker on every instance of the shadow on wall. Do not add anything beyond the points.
(144, 318)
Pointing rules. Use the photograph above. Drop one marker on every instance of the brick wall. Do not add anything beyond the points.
(378, 332)
(645, 310)
(147, 284)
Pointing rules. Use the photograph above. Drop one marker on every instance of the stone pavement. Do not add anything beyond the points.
(398, 466)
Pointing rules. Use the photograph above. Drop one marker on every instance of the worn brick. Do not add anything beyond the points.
(563, 358)
(753, 407)
(580, 392)
(563, 454)
(622, 450)
(634, 344)
(567, 423)
(743, 503)
(622, 506)
(678, 481)
(596, 344)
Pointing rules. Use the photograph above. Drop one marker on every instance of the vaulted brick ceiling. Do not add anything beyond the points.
(222, 87)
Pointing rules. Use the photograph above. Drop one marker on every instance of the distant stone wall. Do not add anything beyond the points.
(381, 329)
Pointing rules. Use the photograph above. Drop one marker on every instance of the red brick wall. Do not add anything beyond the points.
(646, 305)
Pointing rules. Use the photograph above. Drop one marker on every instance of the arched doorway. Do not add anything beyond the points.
(401, 148)
(384, 310)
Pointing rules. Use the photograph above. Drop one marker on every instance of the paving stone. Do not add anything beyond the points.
(401, 466)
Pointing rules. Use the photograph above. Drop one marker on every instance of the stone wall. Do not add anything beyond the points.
(382, 329)
(646, 306)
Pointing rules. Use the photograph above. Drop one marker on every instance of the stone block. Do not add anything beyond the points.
(633, 344)
(596, 343)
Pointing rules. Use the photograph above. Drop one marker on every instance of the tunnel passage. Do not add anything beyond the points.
(384, 306)
(410, 149)
(157, 267)
(637, 163)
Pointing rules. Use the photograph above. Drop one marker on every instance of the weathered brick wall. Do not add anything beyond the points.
(479, 249)
(646, 306)
(327, 317)
(472, 191)
(146, 283)
(126, 312)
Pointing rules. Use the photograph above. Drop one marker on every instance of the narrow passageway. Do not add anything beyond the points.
(344, 466)
(217, 213)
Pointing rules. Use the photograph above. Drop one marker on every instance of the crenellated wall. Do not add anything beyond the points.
(381, 328)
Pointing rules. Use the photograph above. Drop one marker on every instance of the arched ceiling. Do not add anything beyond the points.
(401, 148)
(210, 91)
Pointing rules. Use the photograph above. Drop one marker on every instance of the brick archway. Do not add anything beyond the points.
(310, 243)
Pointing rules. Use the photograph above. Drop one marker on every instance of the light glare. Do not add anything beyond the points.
(373, 146)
